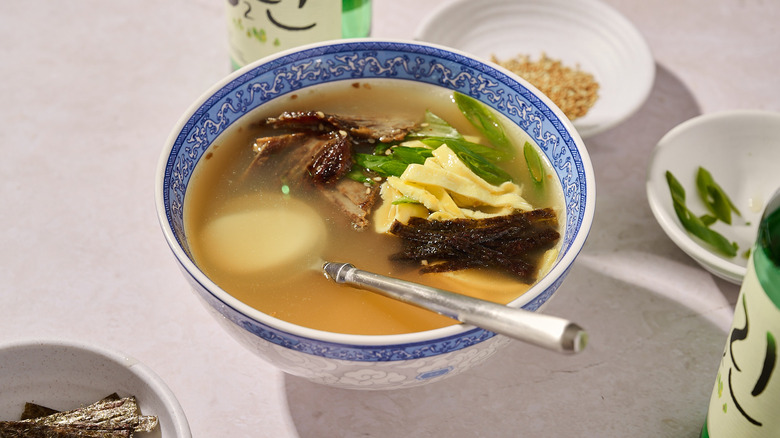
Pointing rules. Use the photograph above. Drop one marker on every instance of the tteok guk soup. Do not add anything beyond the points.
(407, 180)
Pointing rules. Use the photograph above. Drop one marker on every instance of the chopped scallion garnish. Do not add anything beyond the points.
(392, 159)
(696, 225)
(714, 198)
(384, 165)
(405, 200)
(486, 122)
(435, 126)
(534, 162)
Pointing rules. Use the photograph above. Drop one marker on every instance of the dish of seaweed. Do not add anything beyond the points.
(55, 387)
(111, 416)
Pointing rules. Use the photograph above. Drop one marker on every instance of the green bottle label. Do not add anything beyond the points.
(746, 395)
(258, 29)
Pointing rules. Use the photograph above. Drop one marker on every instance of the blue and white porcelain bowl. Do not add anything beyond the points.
(361, 361)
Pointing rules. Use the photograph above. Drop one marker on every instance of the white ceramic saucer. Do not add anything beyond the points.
(741, 149)
(66, 375)
(584, 33)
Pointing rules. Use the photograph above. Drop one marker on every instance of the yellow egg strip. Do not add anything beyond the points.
(445, 188)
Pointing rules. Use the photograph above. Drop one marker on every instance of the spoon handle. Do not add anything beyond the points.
(538, 329)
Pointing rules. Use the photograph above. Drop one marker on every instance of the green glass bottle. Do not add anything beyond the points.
(258, 29)
(745, 401)
(355, 18)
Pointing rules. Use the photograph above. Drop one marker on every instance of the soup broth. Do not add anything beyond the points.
(295, 289)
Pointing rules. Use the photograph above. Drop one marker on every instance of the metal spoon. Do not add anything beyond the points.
(538, 329)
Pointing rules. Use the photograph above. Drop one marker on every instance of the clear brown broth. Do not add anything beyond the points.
(308, 298)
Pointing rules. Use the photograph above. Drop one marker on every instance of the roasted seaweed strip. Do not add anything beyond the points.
(110, 417)
(20, 429)
(511, 243)
(32, 410)
(104, 414)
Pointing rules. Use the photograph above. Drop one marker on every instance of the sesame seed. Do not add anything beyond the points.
(574, 91)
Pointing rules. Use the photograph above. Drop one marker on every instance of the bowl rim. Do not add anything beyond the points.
(135, 367)
(559, 270)
(715, 264)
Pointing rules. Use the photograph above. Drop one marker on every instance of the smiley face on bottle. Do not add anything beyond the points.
(261, 27)
(289, 16)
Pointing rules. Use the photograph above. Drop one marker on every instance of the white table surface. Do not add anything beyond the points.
(90, 90)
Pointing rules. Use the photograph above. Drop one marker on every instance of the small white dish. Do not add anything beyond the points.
(66, 375)
(584, 33)
(741, 149)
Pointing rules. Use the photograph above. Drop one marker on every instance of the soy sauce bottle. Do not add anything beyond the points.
(257, 28)
(745, 401)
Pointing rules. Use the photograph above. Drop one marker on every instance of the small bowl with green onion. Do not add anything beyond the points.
(707, 183)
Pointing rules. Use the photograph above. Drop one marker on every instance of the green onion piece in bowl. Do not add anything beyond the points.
(405, 200)
(693, 224)
(534, 162)
(381, 164)
(713, 196)
(478, 164)
(435, 126)
(482, 118)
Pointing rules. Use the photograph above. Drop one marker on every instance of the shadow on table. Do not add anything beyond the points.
(652, 359)
(648, 371)
(624, 222)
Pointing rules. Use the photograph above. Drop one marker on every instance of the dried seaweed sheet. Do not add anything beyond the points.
(32, 410)
(511, 243)
(20, 429)
(109, 417)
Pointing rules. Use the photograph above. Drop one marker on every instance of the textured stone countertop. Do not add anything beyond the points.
(90, 91)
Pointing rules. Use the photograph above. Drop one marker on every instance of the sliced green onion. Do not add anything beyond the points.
(694, 224)
(486, 122)
(411, 155)
(405, 200)
(392, 159)
(534, 162)
(485, 151)
(396, 162)
(435, 126)
(478, 164)
(713, 196)
(708, 219)
(384, 165)
(677, 190)
(382, 148)
(357, 174)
